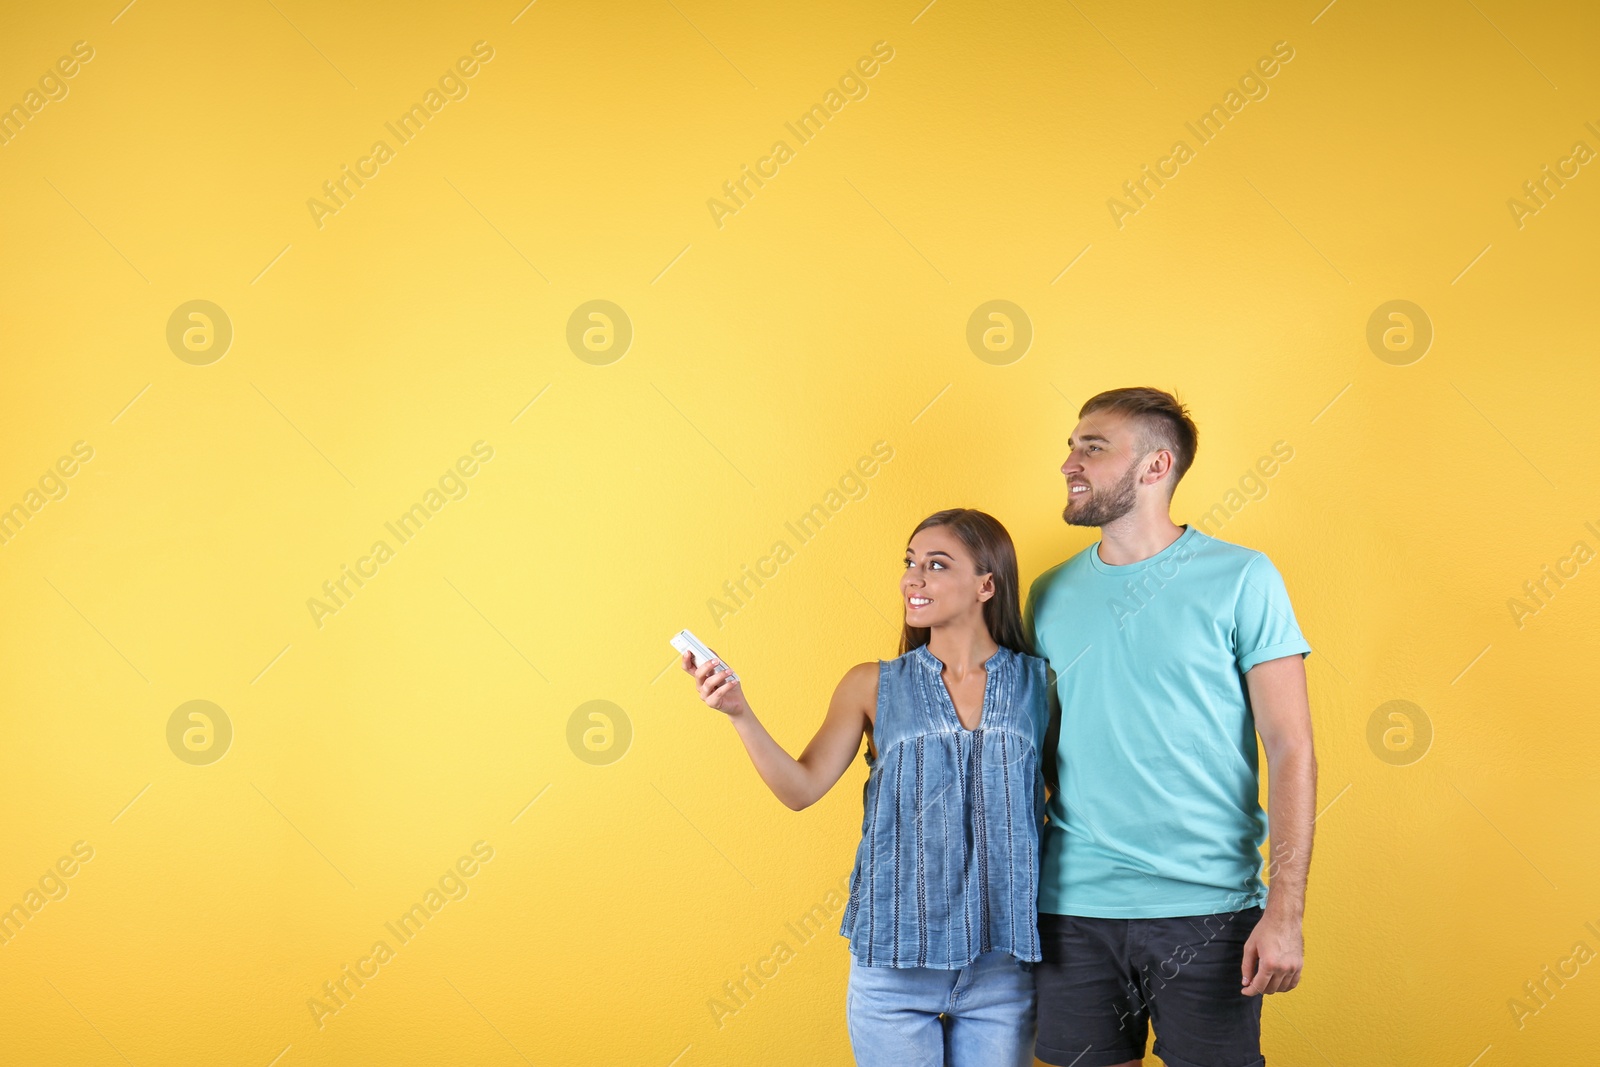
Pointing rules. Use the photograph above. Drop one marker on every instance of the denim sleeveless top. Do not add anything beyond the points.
(948, 865)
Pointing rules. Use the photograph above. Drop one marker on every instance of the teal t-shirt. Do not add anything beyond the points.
(1158, 811)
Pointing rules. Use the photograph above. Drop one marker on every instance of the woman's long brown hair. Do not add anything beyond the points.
(992, 553)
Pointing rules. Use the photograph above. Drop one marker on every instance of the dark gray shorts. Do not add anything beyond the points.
(1103, 981)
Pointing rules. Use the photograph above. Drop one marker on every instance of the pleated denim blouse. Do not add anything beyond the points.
(948, 865)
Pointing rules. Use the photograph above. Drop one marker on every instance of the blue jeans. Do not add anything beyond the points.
(987, 1008)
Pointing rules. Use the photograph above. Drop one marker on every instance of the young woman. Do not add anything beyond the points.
(941, 918)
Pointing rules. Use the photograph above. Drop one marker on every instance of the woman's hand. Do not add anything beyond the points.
(717, 685)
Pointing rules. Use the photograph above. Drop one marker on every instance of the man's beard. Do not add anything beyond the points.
(1106, 505)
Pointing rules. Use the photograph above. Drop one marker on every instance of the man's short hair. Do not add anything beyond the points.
(1162, 419)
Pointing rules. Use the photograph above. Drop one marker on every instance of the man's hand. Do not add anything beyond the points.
(1273, 956)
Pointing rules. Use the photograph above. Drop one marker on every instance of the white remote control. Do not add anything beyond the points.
(684, 641)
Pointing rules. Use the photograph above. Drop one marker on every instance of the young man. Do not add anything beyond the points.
(1170, 651)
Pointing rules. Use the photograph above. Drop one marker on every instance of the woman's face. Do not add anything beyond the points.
(941, 583)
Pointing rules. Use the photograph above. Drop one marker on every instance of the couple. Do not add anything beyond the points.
(1133, 686)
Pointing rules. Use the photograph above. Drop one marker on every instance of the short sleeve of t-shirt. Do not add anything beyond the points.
(1264, 623)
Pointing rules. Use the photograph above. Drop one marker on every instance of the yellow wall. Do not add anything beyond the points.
(372, 748)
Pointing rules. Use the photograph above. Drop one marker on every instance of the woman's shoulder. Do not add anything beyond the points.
(903, 660)
(862, 672)
(1027, 660)
(862, 679)
(1035, 667)
(895, 671)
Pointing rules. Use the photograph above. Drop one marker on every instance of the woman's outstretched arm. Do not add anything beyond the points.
(801, 782)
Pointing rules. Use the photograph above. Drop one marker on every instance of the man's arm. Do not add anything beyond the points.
(1052, 734)
(1275, 951)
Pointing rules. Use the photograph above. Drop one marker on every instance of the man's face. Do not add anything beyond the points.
(1101, 469)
